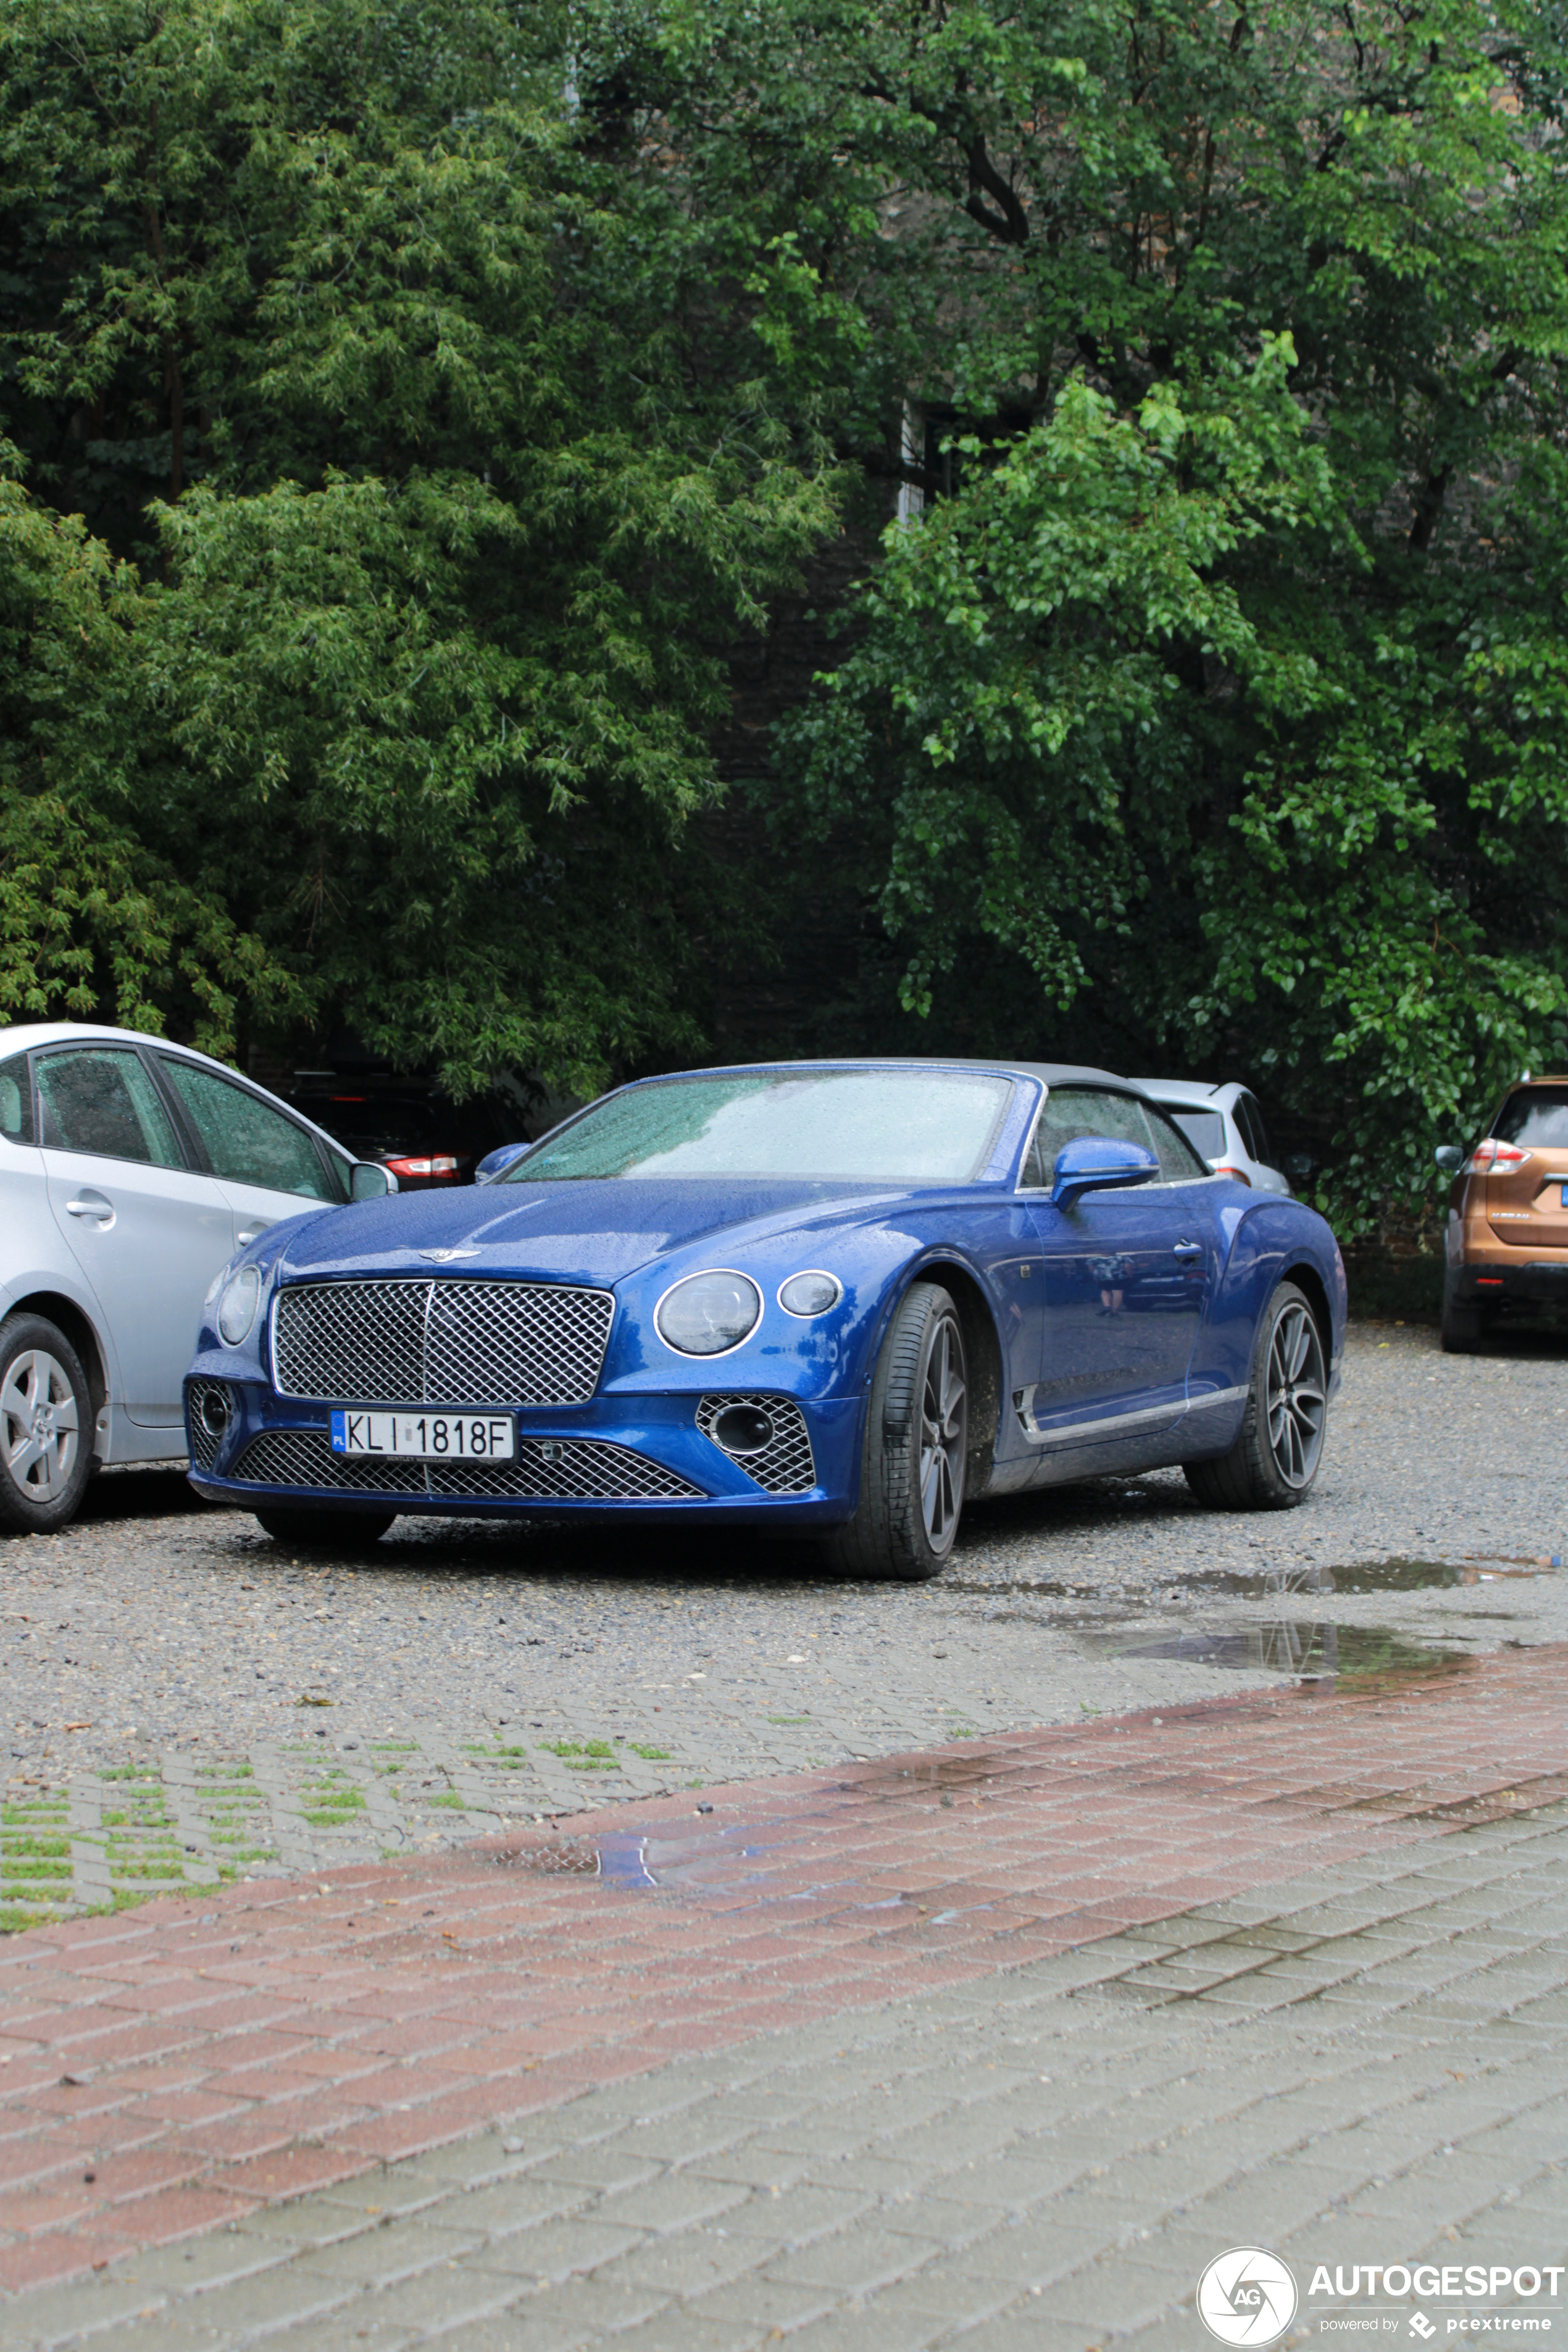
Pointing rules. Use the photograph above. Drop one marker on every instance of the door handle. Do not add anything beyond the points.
(1189, 1249)
(250, 1232)
(92, 1205)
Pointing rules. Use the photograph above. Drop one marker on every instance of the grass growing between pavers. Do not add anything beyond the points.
(36, 1865)
(234, 1813)
(583, 1755)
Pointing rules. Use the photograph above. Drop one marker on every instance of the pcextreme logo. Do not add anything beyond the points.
(1246, 2296)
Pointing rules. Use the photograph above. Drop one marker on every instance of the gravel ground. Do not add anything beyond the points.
(185, 1701)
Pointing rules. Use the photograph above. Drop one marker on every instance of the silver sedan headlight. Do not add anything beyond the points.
(236, 1307)
(708, 1314)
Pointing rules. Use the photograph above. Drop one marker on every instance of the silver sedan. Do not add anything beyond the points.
(1226, 1126)
(131, 1171)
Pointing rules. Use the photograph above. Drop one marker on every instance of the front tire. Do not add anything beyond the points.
(45, 1427)
(1275, 1459)
(350, 1531)
(913, 1457)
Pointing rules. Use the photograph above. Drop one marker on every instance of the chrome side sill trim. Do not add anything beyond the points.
(1116, 1424)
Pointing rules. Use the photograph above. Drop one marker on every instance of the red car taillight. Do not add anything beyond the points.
(1238, 1175)
(1490, 1156)
(442, 1164)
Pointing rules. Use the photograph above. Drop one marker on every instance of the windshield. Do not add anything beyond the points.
(1539, 1116)
(883, 1126)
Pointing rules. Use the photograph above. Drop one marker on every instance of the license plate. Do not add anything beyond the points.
(1565, 1196)
(427, 1436)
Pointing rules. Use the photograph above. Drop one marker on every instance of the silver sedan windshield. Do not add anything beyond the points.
(896, 1127)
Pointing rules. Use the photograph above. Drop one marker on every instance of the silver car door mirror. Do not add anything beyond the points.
(369, 1181)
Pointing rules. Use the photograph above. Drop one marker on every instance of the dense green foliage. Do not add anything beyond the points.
(442, 385)
(1224, 694)
(418, 538)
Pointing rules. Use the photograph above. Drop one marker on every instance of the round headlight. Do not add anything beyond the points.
(810, 1294)
(236, 1307)
(708, 1314)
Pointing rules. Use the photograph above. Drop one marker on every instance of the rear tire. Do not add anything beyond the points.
(1275, 1459)
(45, 1427)
(914, 1457)
(352, 1531)
(1463, 1323)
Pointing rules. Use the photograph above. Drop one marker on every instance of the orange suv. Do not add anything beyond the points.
(1507, 1239)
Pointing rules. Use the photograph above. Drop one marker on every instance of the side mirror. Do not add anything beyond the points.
(1298, 1166)
(496, 1164)
(369, 1181)
(1449, 1159)
(1093, 1163)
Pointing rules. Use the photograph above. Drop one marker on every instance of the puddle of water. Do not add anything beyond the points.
(1049, 1585)
(932, 1772)
(1314, 1651)
(1364, 1576)
(617, 1861)
(573, 1858)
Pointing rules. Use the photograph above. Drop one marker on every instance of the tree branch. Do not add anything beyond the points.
(1010, 223)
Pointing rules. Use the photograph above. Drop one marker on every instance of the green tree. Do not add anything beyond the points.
(1218, 700)
(86, 906)
(332, 321)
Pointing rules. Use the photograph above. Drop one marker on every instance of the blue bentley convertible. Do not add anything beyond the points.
(840, 1299)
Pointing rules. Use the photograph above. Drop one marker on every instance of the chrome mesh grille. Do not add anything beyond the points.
(567, 1469)
(572, 1469)
(304, 1457)
(440, 1343)
(784, 1467)
(203, 1445)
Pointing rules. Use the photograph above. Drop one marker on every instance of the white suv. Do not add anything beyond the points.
(1225, 1125)
(131, 1171)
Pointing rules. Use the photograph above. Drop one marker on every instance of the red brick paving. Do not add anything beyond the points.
(283, 2036)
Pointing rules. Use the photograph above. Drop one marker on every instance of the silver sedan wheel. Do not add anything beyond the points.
(39, 1426)
(944, 1415)
(1297, 1394)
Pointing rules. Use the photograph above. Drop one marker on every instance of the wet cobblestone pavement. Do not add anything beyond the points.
(178, 2071)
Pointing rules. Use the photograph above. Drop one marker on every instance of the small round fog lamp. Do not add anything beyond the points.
(810, 1294)
(743, 1429)
(214, 1409)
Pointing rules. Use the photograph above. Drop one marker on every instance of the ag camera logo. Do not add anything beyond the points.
(1246, 2296)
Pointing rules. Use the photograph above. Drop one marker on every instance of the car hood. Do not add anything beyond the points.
(594, 1230)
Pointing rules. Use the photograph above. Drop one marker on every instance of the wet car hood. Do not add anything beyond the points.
(594, 1230)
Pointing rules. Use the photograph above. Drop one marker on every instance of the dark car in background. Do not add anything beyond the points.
(426, 1139)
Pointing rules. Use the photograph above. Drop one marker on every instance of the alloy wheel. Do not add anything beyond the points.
(944, 1417)
(39, 1429)
(1297, 1396)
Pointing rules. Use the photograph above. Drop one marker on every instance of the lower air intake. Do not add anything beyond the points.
(784, 1465)
(209, 1410)
(565, 1470)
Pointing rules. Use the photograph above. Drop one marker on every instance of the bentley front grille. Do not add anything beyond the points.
(782, 1463)
(547, 1469)
(440, 1343)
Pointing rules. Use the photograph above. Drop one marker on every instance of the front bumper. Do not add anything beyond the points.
(645, 1455)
